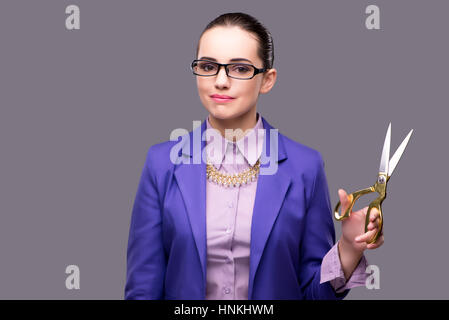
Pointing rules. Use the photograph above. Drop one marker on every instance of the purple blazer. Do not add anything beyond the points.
(291, 231)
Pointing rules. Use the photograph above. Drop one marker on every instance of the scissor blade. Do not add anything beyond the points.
(398, 154)
(386, 152)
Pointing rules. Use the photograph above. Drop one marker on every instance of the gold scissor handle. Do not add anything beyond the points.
(377, 203)
(352, 198)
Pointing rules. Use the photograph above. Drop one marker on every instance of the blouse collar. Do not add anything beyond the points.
(254, 139)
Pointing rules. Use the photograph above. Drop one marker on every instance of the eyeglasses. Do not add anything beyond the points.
(243, 71)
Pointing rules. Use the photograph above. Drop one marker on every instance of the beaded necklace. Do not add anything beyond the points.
(232, 180)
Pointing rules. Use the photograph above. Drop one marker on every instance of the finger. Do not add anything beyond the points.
(343, 197)
(344, 200)
(372, 246)
(377, 244)
(374, 214)
(366, 236)
(374, 224)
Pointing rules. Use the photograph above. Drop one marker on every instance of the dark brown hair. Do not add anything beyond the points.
(252, 25)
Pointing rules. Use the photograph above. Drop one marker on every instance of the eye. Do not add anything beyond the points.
(207, 66)
(241, 68)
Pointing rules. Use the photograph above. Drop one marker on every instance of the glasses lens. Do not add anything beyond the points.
(241, 71)
(204, 68)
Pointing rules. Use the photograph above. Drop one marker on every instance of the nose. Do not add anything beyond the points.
(222, 79)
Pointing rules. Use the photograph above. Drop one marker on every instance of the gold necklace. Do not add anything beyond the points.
(232, 180)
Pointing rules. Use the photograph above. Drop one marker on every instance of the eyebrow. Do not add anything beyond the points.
(231, 60)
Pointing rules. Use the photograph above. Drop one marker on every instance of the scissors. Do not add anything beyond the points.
(386, 169)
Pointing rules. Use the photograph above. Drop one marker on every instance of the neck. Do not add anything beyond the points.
(244, 122)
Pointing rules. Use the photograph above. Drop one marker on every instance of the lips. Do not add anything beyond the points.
(221, 98)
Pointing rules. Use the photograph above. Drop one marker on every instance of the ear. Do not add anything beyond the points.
(269, 78)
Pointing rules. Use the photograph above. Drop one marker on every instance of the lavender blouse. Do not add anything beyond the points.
(228, 222)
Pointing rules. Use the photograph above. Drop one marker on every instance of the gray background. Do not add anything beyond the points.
(79, 110)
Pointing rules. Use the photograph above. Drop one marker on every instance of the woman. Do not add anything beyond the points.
(197, 232)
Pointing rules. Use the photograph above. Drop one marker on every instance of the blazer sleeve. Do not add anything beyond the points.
(146, 261)
(318, 239)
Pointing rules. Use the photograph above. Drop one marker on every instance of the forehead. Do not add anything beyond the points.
(225, 43)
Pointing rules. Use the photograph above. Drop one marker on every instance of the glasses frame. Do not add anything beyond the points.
(225, 65)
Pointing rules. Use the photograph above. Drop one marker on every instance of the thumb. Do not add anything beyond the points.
(344, 200)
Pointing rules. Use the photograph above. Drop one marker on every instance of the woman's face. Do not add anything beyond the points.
(224, 44)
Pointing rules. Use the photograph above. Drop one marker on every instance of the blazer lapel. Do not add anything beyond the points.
(270, 194)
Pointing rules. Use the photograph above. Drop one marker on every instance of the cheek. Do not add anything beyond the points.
(203, 86)
(199, 84)
(250, 91)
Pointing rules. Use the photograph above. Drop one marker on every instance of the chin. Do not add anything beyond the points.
(224, 113)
